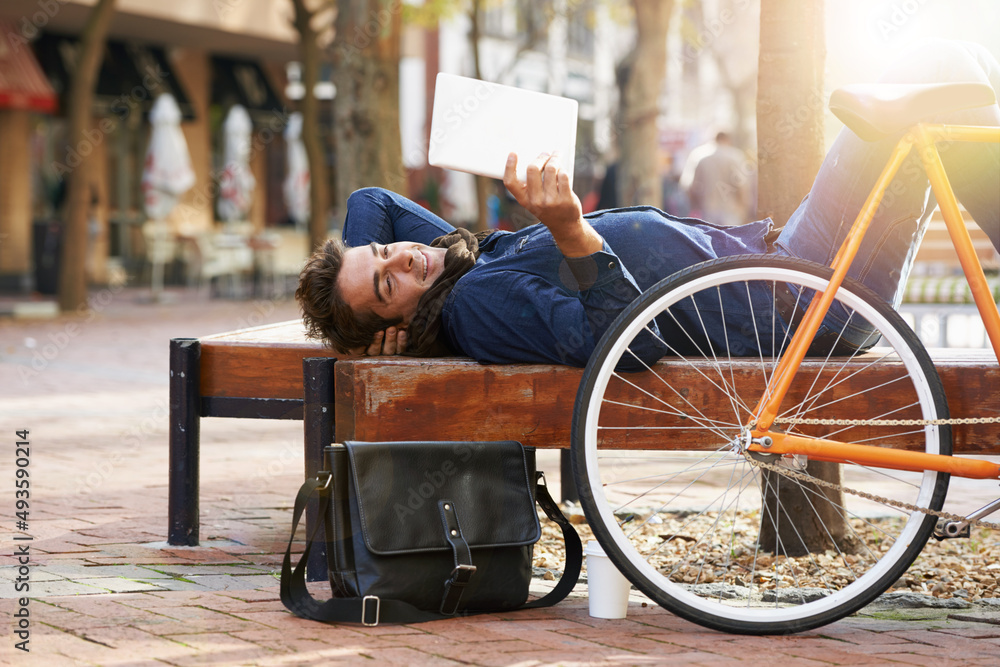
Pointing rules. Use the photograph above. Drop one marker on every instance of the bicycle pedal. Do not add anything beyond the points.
(951, 530)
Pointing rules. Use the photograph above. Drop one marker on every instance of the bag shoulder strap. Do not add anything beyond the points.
(371, 610)
(574, 550)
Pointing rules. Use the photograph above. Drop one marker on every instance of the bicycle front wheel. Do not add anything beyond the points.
(694, 521)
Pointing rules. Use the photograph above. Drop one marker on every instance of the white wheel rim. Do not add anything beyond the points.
(753, 614)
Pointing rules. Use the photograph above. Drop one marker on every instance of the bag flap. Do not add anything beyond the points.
(397, 486)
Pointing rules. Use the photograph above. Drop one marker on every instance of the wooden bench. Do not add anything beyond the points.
(273, 372)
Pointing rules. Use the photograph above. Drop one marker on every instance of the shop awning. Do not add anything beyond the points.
(243, 82)
(132, 75)
(22, 83)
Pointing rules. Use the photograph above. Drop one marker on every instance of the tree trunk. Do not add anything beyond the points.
(482, 183)
(790, 149)
(807, 519)
(790, 104)
(366, 52)
(639, 165)
(72, 276)
(319, 196)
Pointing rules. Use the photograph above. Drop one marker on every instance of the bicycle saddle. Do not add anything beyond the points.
(876, 111)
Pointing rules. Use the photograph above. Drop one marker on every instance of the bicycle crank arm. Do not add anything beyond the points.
(867, 455)
(948, 530)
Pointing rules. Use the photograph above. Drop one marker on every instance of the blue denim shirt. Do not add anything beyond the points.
(523, 301)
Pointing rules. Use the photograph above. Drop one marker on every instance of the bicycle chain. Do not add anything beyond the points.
(870, 496)
(888, 422)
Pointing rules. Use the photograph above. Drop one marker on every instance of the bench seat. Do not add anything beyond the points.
(387, 399)
(258, 373)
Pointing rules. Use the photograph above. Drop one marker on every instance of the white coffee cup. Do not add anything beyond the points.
(607, 587)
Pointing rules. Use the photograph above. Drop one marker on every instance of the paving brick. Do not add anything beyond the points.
(216, 648)
(52, 547)
(828, 656)
(938, 639)
(63, 648)
(243, 608)
(135, 641)
(919, 659)
(487, 651)
(228, 612)
(117, 585)
(384, 630)
(294, 635)
(75, 622)
(64, 587)
(164, 599)
(405, 656)
(660, 618)
(222, 582)
(178, 585)
(129, 571)
(979, 632)
(195, 620)
(551, 639)
(877, 647)
(626, 641)
(210, 570)
(466, 630)
(841, 631)
(260, 595)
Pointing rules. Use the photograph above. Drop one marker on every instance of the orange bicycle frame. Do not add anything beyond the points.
(924, 137)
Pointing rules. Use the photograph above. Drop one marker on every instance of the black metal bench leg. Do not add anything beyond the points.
(567, 484)
(185, 435)
(318, 424)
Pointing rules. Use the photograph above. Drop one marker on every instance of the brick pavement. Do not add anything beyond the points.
(107, 590)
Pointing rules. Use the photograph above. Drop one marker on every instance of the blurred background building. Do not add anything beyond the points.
(214, 54)
(208, 55)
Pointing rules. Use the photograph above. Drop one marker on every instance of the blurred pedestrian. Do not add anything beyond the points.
(675, 200)
(717, 183)
(609, 188)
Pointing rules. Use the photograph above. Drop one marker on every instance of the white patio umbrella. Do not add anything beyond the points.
(166, 175)
(296, 185)
(237, 183)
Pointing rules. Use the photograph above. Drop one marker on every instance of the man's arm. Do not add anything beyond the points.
(548, 196)
(382, 216)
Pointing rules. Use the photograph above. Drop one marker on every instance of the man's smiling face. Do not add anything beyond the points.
(388, 280)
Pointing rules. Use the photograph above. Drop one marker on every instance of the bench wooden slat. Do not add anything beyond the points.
(255, 371)
(446, 399)
(454, 399)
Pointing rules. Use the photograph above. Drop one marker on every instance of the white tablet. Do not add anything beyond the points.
(476, 124)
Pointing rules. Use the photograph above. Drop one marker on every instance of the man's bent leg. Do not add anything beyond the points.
(818, 227)
(974, 168)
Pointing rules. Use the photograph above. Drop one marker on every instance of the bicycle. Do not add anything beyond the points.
(701, 485)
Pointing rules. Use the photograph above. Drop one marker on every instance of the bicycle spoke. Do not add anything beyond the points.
(699, 525)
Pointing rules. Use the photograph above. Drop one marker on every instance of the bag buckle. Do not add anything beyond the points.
(329, 478)
(460, 577)
(462, 574)
(364, 610)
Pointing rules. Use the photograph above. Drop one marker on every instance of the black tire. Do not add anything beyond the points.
(686, 525)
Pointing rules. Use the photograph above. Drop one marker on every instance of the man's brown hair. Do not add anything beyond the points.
(324, 311)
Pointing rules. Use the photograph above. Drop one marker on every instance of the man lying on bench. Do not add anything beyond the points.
(408, 282)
